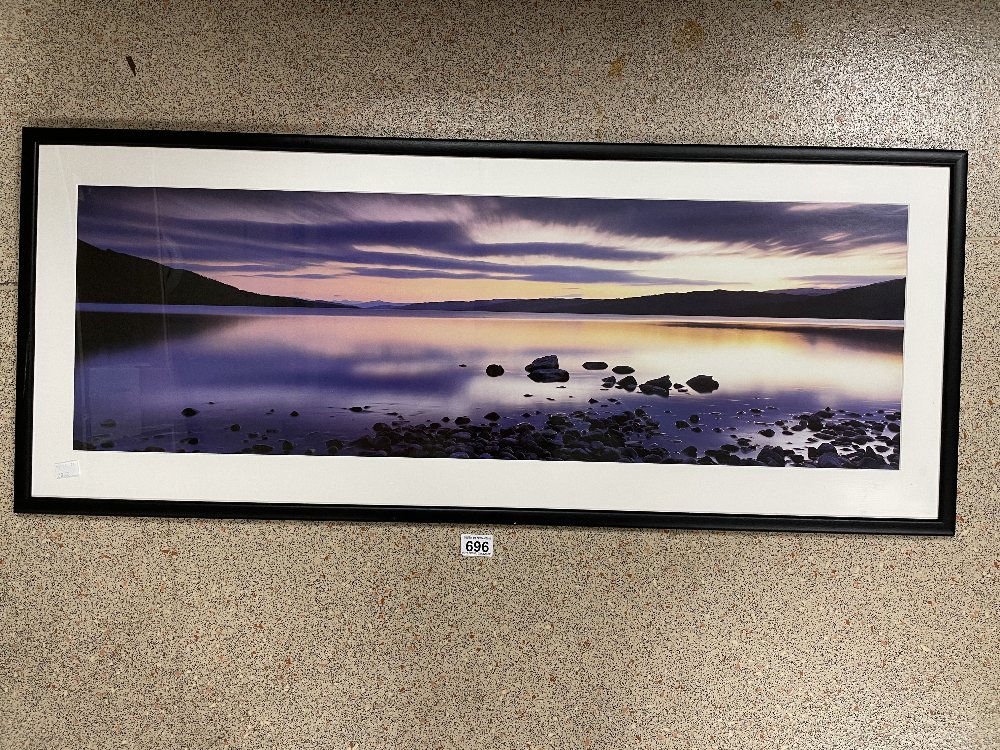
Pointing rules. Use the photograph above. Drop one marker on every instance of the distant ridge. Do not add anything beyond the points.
(110, 277)
(884, 300)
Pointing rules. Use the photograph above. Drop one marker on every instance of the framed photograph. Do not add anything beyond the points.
(280, 326)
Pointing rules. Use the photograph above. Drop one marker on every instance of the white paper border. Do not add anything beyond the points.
(909, 493)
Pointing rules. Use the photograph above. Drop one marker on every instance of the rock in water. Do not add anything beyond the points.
(595, 365)
(703, 384)
(494, 371)
(771, 455)
(657, 386)
(661, 382)
(548, 362)
(548, 375)
(628, 383)
(652, 390)
(623, 370)
(831, 461)
(189, 412)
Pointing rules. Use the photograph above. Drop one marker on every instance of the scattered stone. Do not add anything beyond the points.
(494, 371)
(112, 423)
(595, 365)
(188, 412)
(492, 416)
(293, 414)
(357, 409)
(767, 432)
(622, 370)
(234, 428)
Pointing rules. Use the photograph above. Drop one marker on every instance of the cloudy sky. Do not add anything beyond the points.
(413, 248)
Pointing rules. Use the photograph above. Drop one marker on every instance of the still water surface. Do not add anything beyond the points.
(139, 368)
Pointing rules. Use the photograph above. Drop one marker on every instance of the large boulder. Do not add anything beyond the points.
(628, 383)
(548, 362)
(657, 386)
(831, 461)
(652, 390)
(703, 384)
(771, 455)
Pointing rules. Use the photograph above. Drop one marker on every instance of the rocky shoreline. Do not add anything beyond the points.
(609, 429)
(837, 439)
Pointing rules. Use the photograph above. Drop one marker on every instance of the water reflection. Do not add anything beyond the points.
(142, 370)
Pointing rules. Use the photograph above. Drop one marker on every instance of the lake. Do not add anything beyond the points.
(276, 380)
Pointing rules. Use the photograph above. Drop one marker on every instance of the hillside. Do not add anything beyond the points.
(110, 277)
(882, 301)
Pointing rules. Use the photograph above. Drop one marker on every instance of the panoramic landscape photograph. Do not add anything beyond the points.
(265, 322)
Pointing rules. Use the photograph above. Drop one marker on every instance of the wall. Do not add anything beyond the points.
(206, 634)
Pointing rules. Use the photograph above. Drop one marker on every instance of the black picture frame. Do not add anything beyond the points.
(52, 174)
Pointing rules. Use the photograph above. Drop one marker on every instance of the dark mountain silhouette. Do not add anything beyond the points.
(111, 277)
(881, 301)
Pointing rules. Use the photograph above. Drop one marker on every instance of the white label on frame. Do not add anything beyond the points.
(477, 545)
(67, 469)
